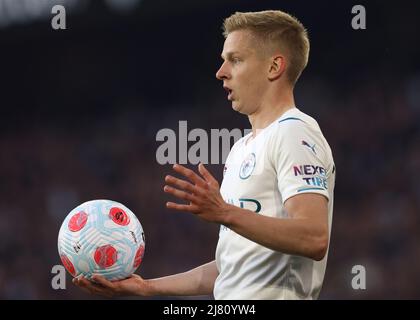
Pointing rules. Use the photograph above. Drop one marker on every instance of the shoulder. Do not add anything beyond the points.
(296, 130)
(295, 123)
(296, 118)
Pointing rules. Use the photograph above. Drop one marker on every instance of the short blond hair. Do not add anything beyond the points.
(278, 28)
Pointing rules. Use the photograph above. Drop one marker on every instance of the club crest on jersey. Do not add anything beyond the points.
(247, 166)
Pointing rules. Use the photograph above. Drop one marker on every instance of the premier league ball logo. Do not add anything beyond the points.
(247, 166)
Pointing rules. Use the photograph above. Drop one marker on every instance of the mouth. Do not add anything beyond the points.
(229, 91)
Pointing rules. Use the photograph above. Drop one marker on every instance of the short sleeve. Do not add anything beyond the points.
(300, 159)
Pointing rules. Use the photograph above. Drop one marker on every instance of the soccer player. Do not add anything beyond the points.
(275, 203)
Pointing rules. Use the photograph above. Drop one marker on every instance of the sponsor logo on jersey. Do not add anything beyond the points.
(314, 176)
(306, 144)
(308, 169)
(244, 203)
(247, 166)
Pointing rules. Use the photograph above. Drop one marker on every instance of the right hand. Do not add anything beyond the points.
(135, 285)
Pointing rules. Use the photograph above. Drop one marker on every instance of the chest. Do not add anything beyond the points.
(249, 175)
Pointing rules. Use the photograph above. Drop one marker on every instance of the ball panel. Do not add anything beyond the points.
(105, 256)
(119, 216)
(83, 266)
(139, 257)
(78, 221)
(68, 265)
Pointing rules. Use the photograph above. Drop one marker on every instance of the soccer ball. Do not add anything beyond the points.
(101, 237)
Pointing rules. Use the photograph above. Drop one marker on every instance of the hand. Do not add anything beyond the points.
(202, 193)
(135, 285)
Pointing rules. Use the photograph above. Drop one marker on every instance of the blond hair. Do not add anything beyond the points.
(277, 28)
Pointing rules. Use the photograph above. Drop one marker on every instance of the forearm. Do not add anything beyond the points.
(198, 281)
(290, 236)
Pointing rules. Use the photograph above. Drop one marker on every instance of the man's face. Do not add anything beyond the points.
(244, 71)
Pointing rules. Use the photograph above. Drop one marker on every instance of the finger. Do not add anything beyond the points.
(82, 282)
(184, 185)
(75, 282)
(191, 175)
(207, 175)
(85, 285)
(180, 194)
(95, 288)
(180, 207)
(103, 281)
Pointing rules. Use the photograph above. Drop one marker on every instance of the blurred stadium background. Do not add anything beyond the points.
(80, 109)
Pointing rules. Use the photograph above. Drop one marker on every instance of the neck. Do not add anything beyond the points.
(270, 110)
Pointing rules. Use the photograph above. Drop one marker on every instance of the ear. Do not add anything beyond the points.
(277, 67)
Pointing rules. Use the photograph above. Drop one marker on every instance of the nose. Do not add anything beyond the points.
(222, 73)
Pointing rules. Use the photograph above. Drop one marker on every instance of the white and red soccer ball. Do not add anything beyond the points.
(101, 237)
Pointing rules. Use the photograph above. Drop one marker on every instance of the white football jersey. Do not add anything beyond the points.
(287, 158)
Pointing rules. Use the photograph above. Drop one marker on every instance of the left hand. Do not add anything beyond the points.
(202, 193)
(134, 285)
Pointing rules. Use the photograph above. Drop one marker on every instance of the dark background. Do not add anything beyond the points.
(80, 109)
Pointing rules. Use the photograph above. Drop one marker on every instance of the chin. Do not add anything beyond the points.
(238, 108)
